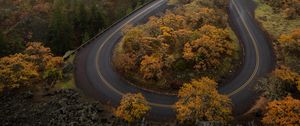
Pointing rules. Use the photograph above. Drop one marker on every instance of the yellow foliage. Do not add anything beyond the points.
(195, 32)
(210, 48)
(291, 41)
(42, 56)
(199, 16)
(15, 72)
(166, 31)
(283, 113)
(126, 61)
(285, 74)
(200, 101)
(151, 66)
(173, 21)
(26, 69)
(187, 52)
(132, 107)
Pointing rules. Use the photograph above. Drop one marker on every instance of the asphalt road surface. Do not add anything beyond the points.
(96, 77)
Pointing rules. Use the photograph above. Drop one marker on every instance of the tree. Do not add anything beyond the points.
(36, 65)
(290, 77)
(200, 101)
(283, 113)
(273, 88)
(151, 67)
(10, 46)
(3, 45)
(42, 57)
(126, 62)
(132, 107)
(196, 16)
(132, 40)
(48, 66)
(193, 37)
(61, 33)
(16, 71)
(291, 42)
(96, 22)
(212, 46)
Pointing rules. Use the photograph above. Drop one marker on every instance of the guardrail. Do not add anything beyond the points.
(106, 29)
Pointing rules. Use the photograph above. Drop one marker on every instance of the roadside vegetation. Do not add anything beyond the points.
(188, 42)
(181, 51)
(190, 49)
(133, 107)
(281, 20)
(200, 101)
(36, 86)
(61, 25)
(36, 65)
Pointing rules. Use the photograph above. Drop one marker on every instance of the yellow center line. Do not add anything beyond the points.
(106, 40)
(256, 51)
(164, 105)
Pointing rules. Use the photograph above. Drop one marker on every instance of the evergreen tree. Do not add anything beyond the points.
(96, 22)
(2, 45)
(61, 33)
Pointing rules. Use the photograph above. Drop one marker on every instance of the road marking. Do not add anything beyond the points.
(171, 106)
(256, 51)
(106, 40)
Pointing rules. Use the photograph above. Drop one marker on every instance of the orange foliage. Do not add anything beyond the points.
(151, 66)
(42, 56)
(200, 101)
(31, 67)
(210, 49)
(16, 72)
(291, 40)
(187, 52)
(190, 38)
(283, 113)
(126, 62)
(132, 107)
(285, 74)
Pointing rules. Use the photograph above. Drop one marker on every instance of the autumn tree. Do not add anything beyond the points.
(283, 113)
(36, 65)
(200, 101)
(131, 40)
(197, 17)
(151, 66)
(48, 65)
(212, 46)
(16, 71)
(285, 74)
(125, 62)
(132, 107)
(291, 42)
(191, 38)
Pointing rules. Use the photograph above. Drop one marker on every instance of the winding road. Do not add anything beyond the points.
(96, 77)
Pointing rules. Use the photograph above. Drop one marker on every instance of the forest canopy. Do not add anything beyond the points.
(62, 25)
(190, 41)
